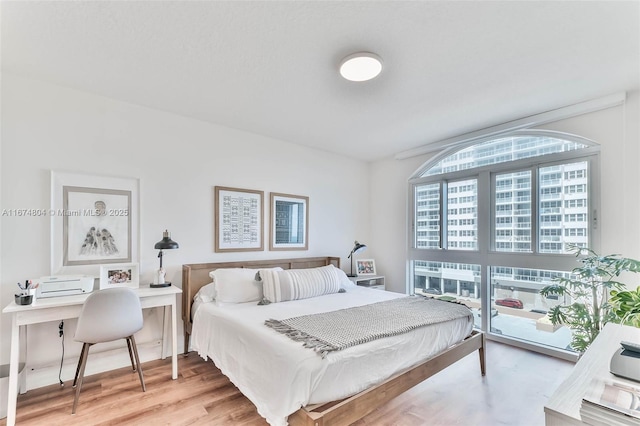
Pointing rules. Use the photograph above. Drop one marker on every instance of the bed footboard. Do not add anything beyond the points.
(351, 409)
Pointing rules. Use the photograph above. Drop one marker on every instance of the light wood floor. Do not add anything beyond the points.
(514, 391)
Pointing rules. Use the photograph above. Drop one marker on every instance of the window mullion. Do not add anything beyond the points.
(444, 215)
(535, 217)
(486, 224)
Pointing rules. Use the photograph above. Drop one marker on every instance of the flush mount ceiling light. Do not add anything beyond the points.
(361, 66)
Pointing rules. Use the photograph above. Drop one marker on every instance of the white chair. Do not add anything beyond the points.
(108, 315)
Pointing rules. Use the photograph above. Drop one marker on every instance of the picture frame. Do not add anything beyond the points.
(239, 219)
(119, 275)
(365, 267)
(94, 221)
(289, 228)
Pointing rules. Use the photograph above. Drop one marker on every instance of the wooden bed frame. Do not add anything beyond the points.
(349, 410)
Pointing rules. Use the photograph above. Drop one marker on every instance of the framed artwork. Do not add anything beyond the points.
(94, 221)
(239, 219)
(289, 222)
(119, 275)
(365, 267)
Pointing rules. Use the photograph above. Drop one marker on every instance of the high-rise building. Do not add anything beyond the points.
(561, 211)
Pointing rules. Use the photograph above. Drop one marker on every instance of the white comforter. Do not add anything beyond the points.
(279, 375)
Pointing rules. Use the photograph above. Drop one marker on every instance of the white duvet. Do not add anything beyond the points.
(279, 375)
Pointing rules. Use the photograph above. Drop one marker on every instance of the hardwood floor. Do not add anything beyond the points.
(513, 392)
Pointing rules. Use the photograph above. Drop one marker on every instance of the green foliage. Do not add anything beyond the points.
(588, 289)
(626, 306)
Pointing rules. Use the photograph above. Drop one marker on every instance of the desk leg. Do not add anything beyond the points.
(174, 341)
(13, 372)
(165, 329)
(22, 374)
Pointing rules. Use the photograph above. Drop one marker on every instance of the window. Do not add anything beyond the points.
(577, 217)
(582, 202)
(574, 189)
(491, 207)
(574, 174)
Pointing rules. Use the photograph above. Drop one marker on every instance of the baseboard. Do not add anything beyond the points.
(98, 362)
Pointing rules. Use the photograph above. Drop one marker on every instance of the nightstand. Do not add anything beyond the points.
(370, 281)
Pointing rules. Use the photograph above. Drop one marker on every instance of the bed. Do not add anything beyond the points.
(365, 382)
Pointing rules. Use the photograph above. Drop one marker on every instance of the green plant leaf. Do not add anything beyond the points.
(587, 290)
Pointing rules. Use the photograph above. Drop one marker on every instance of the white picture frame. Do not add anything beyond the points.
(289, 228)
(365, 267)
(81, 202)
(119, 275)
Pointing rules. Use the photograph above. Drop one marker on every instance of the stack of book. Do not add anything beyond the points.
(609, 402)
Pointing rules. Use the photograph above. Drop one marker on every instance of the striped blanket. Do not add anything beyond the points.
(337, 330)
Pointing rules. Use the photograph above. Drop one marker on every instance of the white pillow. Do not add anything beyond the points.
(294, 284)
(345, 282)
(237, 285)
(206, 293)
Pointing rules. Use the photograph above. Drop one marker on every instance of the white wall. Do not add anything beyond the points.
(616, 129)
(178, 162)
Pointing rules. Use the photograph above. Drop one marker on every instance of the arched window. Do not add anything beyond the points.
(492, 222)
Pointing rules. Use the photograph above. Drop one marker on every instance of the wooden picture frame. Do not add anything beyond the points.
(289, 228)
(365, 267)
(119, 275)
(239, 219)
(94, 221)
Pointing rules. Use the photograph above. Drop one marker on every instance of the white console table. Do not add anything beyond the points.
(65, 307)
(563, 407)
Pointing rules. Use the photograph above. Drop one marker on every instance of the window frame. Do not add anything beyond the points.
(486, 255)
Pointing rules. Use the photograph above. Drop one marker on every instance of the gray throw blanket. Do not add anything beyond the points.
(333, 331)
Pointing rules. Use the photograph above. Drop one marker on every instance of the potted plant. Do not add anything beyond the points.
(588, 288)
(625, 305)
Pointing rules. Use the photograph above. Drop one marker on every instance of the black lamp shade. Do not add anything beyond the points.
(166, 243)
(357, 247)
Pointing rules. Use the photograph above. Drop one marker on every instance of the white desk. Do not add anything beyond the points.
(563, 407)
(65, 307)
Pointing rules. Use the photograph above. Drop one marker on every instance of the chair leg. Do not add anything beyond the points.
(75, 378)
(135, 354)
(130, 354)
(83, 357)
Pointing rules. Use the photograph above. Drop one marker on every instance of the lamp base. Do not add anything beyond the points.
(159, 285)
(351, 275)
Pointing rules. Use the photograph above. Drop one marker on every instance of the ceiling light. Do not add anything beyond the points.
(361, 66)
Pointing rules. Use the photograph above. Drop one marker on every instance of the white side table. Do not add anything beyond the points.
(370, 281)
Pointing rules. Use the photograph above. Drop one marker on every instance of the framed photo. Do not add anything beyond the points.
(365, 267)
(94, 221)
(239, 218)
(289, 222)
(119, 275)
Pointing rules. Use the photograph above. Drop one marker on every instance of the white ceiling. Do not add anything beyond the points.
(270, 67)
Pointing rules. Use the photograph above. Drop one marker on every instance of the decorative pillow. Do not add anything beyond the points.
(294, 284)
(236, 285)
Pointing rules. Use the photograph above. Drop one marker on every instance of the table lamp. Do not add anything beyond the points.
(356, 248)
(165, 244)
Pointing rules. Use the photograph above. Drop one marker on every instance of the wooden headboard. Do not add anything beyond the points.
(196, 275)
